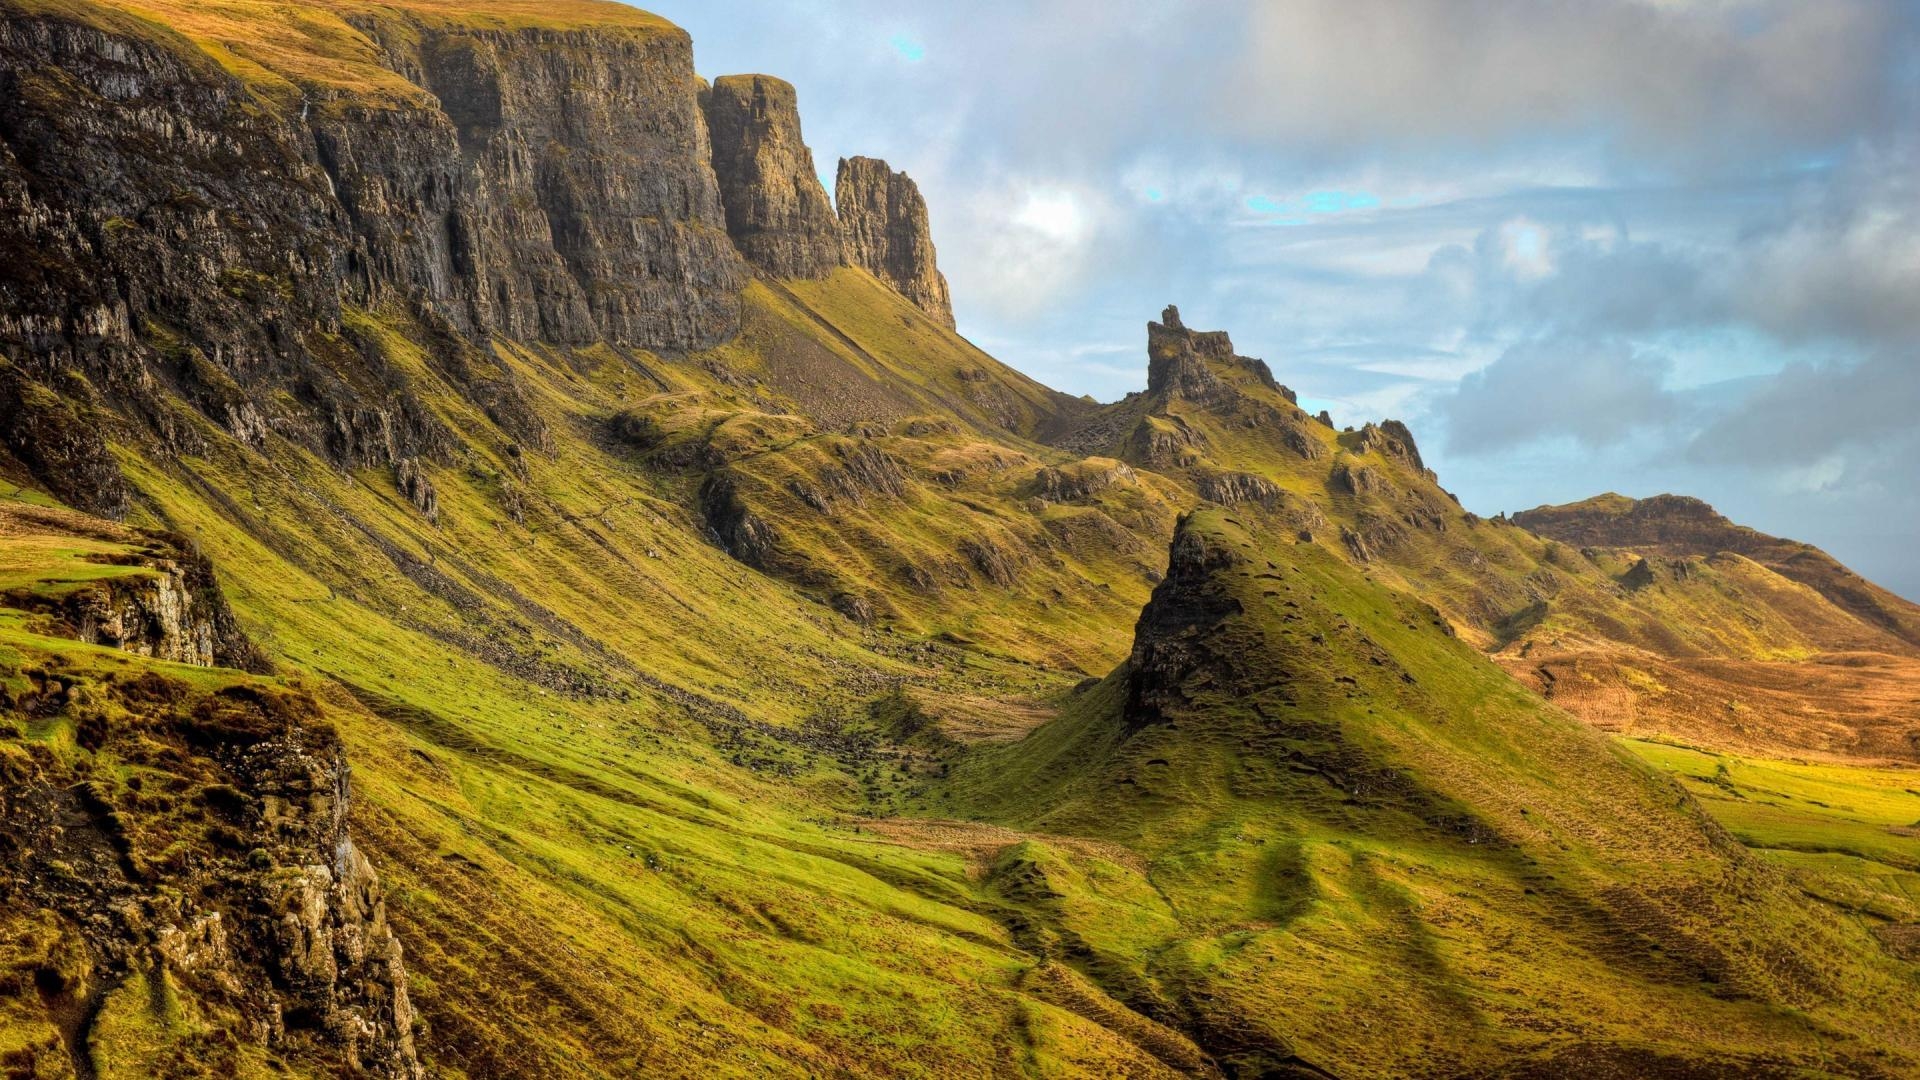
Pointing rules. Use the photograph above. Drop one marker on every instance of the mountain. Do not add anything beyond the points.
(503, 576)
(1677, 526)
(1828, 670)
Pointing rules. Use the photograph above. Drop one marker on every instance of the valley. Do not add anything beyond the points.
(500, 576)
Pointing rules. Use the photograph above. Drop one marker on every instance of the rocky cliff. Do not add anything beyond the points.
(222, 872)
(1175, 638)
(172, 229)
(777, 213)
(1178, 359)
(186, 843)
(883, 222)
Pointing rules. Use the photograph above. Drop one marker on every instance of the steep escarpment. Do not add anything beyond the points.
(777, 212)
(179, 233)
(883, 225)
(560, 192)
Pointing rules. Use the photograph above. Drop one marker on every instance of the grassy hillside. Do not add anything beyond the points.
(837, 701)
(1347, 822)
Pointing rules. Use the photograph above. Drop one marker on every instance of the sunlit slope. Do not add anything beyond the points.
(582, 891)
(1674, 525)
(319, 47)
(1350, 824)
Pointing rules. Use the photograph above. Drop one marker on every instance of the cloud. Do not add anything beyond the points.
(1808, 414)
(1595, 393)
(1628, 244)
(1848, 265)
(1687, 83)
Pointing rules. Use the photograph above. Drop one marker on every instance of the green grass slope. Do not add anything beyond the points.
(1348, 824)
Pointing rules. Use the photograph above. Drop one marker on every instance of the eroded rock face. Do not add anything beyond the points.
(169, 608)
(165, 232)
(1174, 637)
(883, 225)
(254, 901)
(561, 191)
(1179, 360)
(1391, 437)
(1233, 488)
(777, 213)
(53, 439)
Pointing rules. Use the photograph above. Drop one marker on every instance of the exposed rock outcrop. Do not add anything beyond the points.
(1178, 360)
(166, 605)
(57, 445)
(777, 213)
(733, 525)
(883, 225)
(1391, 438)
(1350, 479)
(1233, 488)
(1081, 480)
(256, 902)
(562, 189)
(1173, 638)
(418, 487)
(167, 230)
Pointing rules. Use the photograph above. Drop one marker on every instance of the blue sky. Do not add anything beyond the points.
(1579, 245)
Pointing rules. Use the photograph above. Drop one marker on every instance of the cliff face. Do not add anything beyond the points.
(1176, 635)
(561, 190)
(228, 877)
(167, 605)
(189, 842)
(168, 230)
(883, 222)
(777, 212)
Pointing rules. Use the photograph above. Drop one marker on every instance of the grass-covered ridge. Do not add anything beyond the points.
(288, 53)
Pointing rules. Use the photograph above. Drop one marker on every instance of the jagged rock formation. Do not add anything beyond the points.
(418, 487)
(1081, 480)
(47, 437)
(1353, 479)
(1177, 359)
(1233, 488)
(270, 915)
(1391, 437)
(1174, 637)
(883, 224)
(169, 607)
(777, 213)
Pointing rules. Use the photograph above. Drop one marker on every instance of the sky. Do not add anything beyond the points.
(1577, 245)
